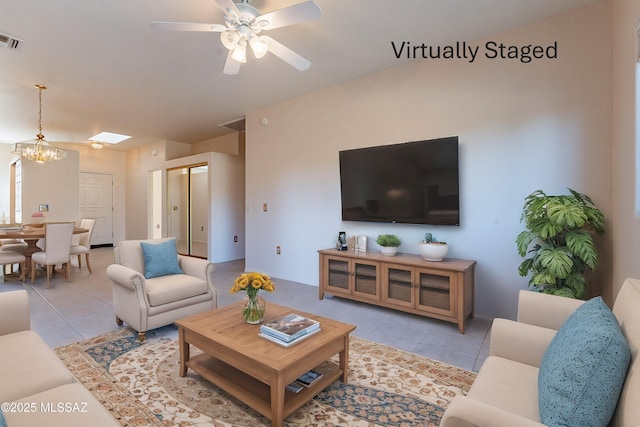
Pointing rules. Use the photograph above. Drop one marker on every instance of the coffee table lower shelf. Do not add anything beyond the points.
(254, 392)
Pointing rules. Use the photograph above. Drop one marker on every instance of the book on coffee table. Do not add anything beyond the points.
(289, 343)
(290, 327)
(305, 380)
(309, 378)
(295, 387)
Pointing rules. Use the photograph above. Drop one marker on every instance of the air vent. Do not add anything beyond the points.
(10, 41)
(237, 125)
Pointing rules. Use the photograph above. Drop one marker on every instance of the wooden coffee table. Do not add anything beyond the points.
(256, 370)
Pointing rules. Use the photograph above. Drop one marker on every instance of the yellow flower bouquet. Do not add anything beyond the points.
(253, 306)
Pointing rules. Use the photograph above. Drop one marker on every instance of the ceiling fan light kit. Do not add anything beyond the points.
(243, 24)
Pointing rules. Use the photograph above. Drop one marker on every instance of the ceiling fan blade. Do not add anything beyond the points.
(231, 66)
(189, 26)
(228, 6)
(286, 54)
(301, 12)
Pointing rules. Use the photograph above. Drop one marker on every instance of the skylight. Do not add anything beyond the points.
(109, 137)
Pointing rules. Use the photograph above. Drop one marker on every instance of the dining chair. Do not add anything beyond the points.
(57, 249)
(84, 244)
(11, 245)
(10, 258)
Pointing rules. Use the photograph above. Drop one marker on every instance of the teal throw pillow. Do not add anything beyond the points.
(160, 259)
(3, 421)
(583, 369)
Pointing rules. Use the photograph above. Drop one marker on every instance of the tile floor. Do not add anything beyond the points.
(80, 309)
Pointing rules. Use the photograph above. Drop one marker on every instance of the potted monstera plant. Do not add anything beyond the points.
(558, 242)
(389, 244)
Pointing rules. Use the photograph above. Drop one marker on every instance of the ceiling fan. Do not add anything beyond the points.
(242, 27)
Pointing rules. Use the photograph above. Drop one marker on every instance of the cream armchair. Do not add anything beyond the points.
(149, 303)
(507, 390)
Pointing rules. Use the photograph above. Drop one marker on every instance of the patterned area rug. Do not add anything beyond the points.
(140, 385)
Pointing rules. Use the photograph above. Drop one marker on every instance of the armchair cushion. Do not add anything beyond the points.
(160, 259)
(169, 288)
(584, 368)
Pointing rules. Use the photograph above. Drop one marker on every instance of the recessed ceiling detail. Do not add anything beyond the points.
(237, 125)
(109, 137)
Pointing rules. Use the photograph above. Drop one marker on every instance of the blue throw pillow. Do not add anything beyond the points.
(160, 259)
(583, 369)
(3, 421)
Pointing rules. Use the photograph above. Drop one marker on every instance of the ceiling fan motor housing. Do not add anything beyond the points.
(248, 13)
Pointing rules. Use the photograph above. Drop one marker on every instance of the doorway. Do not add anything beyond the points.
(187, 210)
(96, 201)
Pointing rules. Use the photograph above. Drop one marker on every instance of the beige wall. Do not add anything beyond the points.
(626, 139)
(54, 184)
(544, 125)
(139, 163)
(229, 144)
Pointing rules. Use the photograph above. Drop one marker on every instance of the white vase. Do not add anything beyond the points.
(388, 250)
(433, 251)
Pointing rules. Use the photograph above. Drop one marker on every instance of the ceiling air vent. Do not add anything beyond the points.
(237, 125)
(10, 41)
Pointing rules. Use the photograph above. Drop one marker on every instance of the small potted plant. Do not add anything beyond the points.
(388, 244)
(433, 250)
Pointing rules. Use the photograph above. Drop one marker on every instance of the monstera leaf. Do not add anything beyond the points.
(556, 261)
(580, 243)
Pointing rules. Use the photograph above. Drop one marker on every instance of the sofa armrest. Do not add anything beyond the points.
(466, 412)
(14, 312)
(519, 342)
(126, 277)
(197, 267)
(545, 310)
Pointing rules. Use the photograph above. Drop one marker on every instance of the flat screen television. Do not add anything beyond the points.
(413, 183)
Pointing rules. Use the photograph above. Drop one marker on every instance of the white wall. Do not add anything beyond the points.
(626, 140)
(139, 162)
(50, 183)
(543, 125)
(227, 207)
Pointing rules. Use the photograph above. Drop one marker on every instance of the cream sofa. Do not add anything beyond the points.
(506, 392)
(147, 304)
(36, 388)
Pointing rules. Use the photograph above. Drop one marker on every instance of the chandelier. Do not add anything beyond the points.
(39, 149)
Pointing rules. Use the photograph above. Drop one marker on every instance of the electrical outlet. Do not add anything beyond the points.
(278, 250)
(235, 239)
(265, 207)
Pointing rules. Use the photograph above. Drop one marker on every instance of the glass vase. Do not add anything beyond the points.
(253, 309)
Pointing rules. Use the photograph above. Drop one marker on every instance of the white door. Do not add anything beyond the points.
(96, 201)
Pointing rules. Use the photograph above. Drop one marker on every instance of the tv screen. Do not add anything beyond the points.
(413, 182)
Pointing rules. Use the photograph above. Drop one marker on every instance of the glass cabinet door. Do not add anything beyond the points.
(398, 285)
(435, 291)
(338, 275)
(365, 279)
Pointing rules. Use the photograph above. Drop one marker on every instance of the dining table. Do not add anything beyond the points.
(30, 233)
